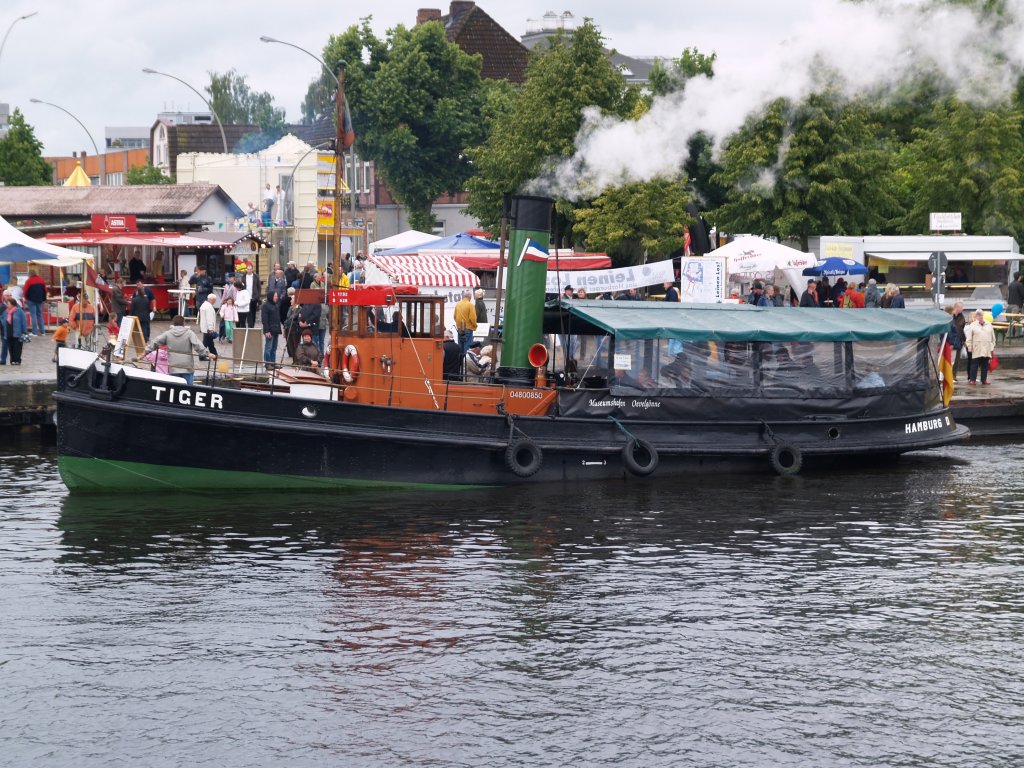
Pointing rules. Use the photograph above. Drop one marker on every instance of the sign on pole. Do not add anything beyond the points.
(945, 222)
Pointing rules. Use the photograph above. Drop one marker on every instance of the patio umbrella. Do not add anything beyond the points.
(836, 266)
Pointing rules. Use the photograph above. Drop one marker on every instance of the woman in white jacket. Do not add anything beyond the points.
(980, 340)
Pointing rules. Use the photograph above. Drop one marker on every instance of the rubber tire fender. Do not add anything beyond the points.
(629, 458)
(786, 459)
(524, 457)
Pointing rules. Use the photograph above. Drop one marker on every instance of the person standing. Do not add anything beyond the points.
(35, 297)
(757, 297)
(896, 302)
(255, 288)
(810, 297)
(243, 301)
(291, 274)
(957, 326)
(136, 267)
(13, 325)
(270, 321)
(671, 292)
(229, 314)
(208, 323)
(142, 307)
(118, 301)
(1014, 295)
(481, 307)
(277, 283)
(268, 205)
(980, 340)
(872, 297)
(465, 320)
(181, 343)
(203, 285)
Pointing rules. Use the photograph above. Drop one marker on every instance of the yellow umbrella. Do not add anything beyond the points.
(78, 177)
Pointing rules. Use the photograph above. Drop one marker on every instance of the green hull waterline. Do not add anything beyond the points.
(106, 476)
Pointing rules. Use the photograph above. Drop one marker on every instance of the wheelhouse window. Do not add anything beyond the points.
(759, 369)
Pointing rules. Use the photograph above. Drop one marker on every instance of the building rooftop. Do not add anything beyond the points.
(167, 200)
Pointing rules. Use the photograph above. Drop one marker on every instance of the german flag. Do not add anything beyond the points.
(946, 372)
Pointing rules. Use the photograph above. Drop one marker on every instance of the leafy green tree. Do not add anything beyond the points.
(969, 160)
(21, 156)
(415, 101)
(539, 122)
(794, 172)
(667, 78)
(237, 104)
(633, 219)
(147, 174)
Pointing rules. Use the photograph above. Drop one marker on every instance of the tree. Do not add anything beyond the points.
(147, 174)
(538, 124)
(415, 101)
(236, 104)
(21, 156)
(798, 171)
(668, 79)
(969, 160)
(632, 219)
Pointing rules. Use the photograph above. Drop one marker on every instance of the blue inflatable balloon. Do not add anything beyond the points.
(997, 310)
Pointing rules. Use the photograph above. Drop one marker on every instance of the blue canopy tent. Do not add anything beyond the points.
(835, 266)
(16, 253)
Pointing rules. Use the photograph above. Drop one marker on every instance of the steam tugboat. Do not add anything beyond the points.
(585, 390)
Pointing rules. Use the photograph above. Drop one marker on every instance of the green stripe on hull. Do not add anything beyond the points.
(107, 476)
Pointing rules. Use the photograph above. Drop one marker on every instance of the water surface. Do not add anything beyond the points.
(872, 618)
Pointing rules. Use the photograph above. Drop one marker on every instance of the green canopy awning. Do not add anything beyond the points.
(631, 320)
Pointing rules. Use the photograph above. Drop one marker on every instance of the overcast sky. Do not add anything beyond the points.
(88, 57)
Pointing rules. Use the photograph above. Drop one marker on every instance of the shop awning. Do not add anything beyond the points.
(435, 270)
(950, 255)
(631, 320)
(135, 239)
(489, 261)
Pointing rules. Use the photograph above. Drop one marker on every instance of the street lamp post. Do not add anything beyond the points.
(337, 83)
(223, 138)
(20, 18)
(102, 159)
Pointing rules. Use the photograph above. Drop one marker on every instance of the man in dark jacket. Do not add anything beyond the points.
(203, 285)
(810, 297)
(309, 318)
(452, 365)
(270, 321)
(1015, 294)
(956, 334)
(291, 273)
(277, 283)
(142, 307)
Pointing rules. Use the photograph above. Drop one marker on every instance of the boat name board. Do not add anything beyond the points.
(187, 397)
(619, 403)
(925, 425)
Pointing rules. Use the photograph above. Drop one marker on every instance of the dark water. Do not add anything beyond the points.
(867, 619)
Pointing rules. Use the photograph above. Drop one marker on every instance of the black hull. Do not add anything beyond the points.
(136, 439)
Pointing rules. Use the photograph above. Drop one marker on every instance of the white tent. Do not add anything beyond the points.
(753, 258)
(402, 240)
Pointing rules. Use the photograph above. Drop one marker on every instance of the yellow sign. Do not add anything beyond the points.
(325, 220)
(838, 250)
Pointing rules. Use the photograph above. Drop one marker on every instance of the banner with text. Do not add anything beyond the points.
(610, 280)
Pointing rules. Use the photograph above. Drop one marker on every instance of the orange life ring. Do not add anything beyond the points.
(350, 364)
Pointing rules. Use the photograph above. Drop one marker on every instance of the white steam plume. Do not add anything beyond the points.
(872, 47)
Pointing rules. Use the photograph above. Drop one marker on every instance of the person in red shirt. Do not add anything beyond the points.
(35, 297)
(855, 296)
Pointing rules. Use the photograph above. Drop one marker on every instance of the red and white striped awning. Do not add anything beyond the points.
(435, 270)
